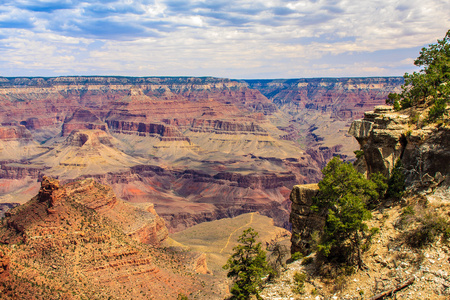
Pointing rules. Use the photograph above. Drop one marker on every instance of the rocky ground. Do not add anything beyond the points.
(390, 261)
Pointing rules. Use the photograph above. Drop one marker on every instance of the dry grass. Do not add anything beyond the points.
(217, 238)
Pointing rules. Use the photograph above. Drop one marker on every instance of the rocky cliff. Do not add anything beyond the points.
(322, 109)
(304, 221)
(385, 136)
(74, 241)
(408, 257)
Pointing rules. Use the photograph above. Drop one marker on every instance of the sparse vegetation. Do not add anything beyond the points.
(296, 256)
(307, 260)
(182, 297)
(423, 226)
(247, 266)
(359, 153)
(299, 283)
(277, 255)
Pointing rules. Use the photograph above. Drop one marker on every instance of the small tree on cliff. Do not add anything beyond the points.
(343, 194)
(247, 265)
(431, 83)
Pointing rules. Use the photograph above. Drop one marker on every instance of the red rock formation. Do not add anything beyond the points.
(14, 132)
(65, 250)
(82, 119)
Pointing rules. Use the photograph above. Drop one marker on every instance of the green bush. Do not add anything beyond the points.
(430, 84)
(343, 193)
(296, 256)
(182, 297)
(307, 261)
(396, 182)
(247, 266)
(359, 153)
(299, 283)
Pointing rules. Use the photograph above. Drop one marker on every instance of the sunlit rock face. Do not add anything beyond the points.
(386, 136)
(79, 240)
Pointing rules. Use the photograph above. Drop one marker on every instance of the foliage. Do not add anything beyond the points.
(381, 187)
(299, 283)
(359, 153)
(296, 256)
(182, 297)
(307, 261)
(247, 265)
(396, 182)
(427, 225)
(431, 83)
(343, 193)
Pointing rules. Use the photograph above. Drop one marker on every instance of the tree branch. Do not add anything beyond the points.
(399, 287)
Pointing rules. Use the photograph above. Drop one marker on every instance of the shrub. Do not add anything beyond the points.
(396, 182)
(247, 265)
(430, 84)
(359, 153)
(296, 256)
(299, 283)
(431, 226)
(277, 254)
(343, 193)
(182, 297)
(307, 261)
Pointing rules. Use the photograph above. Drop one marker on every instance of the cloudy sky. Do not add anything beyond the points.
(222, 38)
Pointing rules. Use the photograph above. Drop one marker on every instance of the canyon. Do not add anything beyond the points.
(197, 149)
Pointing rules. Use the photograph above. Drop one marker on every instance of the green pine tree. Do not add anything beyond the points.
(247, 266)
(396, 182)
(343, 194)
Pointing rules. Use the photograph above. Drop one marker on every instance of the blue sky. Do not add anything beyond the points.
(222, 38)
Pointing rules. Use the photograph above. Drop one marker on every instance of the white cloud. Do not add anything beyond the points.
(231, 38)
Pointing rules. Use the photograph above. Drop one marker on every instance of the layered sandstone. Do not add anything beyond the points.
(304, 221)
(64, 249)
(385, 136)
(82, 119)
(322, 109)
(121, 129)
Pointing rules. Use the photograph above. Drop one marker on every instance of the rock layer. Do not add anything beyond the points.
(64, 249)
(304, 221)
(223, 146)
(385, 136)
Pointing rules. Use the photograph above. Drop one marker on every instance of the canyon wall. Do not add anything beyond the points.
(386, 136)
(198, 149)
(322, 109)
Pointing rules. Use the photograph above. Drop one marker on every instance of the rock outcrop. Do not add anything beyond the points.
(82, 119)
(304, 221)
(385, 136)
(70, 242)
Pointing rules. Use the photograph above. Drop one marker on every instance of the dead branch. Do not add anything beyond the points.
(399, 287)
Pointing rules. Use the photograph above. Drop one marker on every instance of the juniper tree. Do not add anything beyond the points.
(247, 266)
(343, 194)
(431, 83)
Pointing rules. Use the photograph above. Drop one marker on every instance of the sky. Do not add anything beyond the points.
(238, 39)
